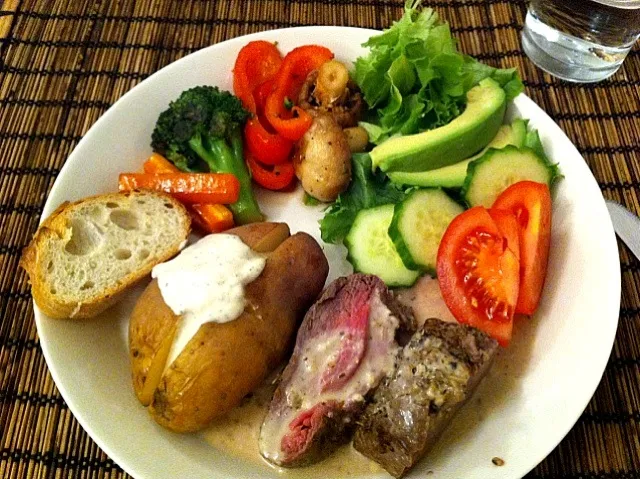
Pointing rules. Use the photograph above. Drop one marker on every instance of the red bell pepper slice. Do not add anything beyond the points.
(257, 62)
(262, 92)
(292, 123)
(275, 178)
(268, 148)
(253, 80)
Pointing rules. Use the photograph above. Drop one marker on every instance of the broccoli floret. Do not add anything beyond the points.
(202, 130)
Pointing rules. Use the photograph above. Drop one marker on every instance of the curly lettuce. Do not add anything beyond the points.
(415, 79)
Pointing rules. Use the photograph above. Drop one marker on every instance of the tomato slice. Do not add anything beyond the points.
(508, 225)
(478, 272)
(530, 202)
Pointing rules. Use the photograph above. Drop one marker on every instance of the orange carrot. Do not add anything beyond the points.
(213, 218)
(190, 188)
(157, 163)
(210, 218)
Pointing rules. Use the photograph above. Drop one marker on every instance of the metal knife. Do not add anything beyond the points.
(626, 224)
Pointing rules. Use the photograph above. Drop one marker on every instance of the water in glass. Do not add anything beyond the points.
(580, 40)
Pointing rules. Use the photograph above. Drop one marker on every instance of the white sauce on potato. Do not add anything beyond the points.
(205, 283)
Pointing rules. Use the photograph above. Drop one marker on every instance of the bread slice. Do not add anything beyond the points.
(87, 253)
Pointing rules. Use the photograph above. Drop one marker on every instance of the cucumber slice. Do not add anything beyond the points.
(372, 251)
(418, 225)
(496, 170)
(453, 176)
(518, 133)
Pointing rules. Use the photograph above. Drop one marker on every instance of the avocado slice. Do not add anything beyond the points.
(453, 176)
(449, 144)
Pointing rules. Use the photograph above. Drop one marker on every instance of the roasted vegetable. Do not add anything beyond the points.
(322, 159)
(201, 130)
(326, 91)
(254, 75)
(185, 187)
(332, 82)
(287, 119)
(357, 138)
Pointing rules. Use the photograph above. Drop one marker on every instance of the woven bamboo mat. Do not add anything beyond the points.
(63, 63)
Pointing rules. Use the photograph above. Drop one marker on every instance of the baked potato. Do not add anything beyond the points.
(223, 362)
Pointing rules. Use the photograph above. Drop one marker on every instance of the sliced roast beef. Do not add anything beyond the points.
(436, 373)
(345, 346)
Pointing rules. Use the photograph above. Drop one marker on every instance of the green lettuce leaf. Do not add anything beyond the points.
(366, 190)
(415, 78)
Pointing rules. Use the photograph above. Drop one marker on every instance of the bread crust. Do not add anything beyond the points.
(55, 227)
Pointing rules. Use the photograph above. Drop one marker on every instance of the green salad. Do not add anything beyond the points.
(415, 78)
(438, 143)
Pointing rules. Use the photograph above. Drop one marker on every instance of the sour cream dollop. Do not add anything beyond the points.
(205, 283)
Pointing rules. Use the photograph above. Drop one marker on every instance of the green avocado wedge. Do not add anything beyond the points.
(465, 135)
(453, 176)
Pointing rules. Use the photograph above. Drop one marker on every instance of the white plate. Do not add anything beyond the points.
(534, 394)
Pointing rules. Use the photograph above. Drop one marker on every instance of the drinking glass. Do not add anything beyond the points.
(580, 40)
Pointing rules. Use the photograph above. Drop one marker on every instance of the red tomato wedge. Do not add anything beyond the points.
(508, 226)
(530, 202)
(478, 271)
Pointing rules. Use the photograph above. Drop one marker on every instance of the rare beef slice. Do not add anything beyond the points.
(345, 346)
(436, 373)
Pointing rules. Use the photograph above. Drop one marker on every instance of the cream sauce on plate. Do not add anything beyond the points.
(237, 434)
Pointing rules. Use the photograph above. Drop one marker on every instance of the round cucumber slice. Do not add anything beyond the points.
(496, 170)
(418, 225)
(371, 250)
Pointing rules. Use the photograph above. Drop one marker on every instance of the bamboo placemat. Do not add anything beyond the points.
(63, 63)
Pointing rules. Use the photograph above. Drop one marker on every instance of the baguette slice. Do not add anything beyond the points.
(89, 252)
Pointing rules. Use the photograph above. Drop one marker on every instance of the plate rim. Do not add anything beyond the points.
(49, 207)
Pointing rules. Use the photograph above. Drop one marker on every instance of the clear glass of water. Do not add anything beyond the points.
(580, 40)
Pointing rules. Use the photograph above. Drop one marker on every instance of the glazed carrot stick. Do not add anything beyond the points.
(190, 188)
(212, 218)
(157, 163)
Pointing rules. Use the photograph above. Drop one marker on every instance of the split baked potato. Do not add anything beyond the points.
(223, 362)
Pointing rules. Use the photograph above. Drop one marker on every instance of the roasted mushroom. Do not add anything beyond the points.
(330, 90)
(322, 159)
(357, 137)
